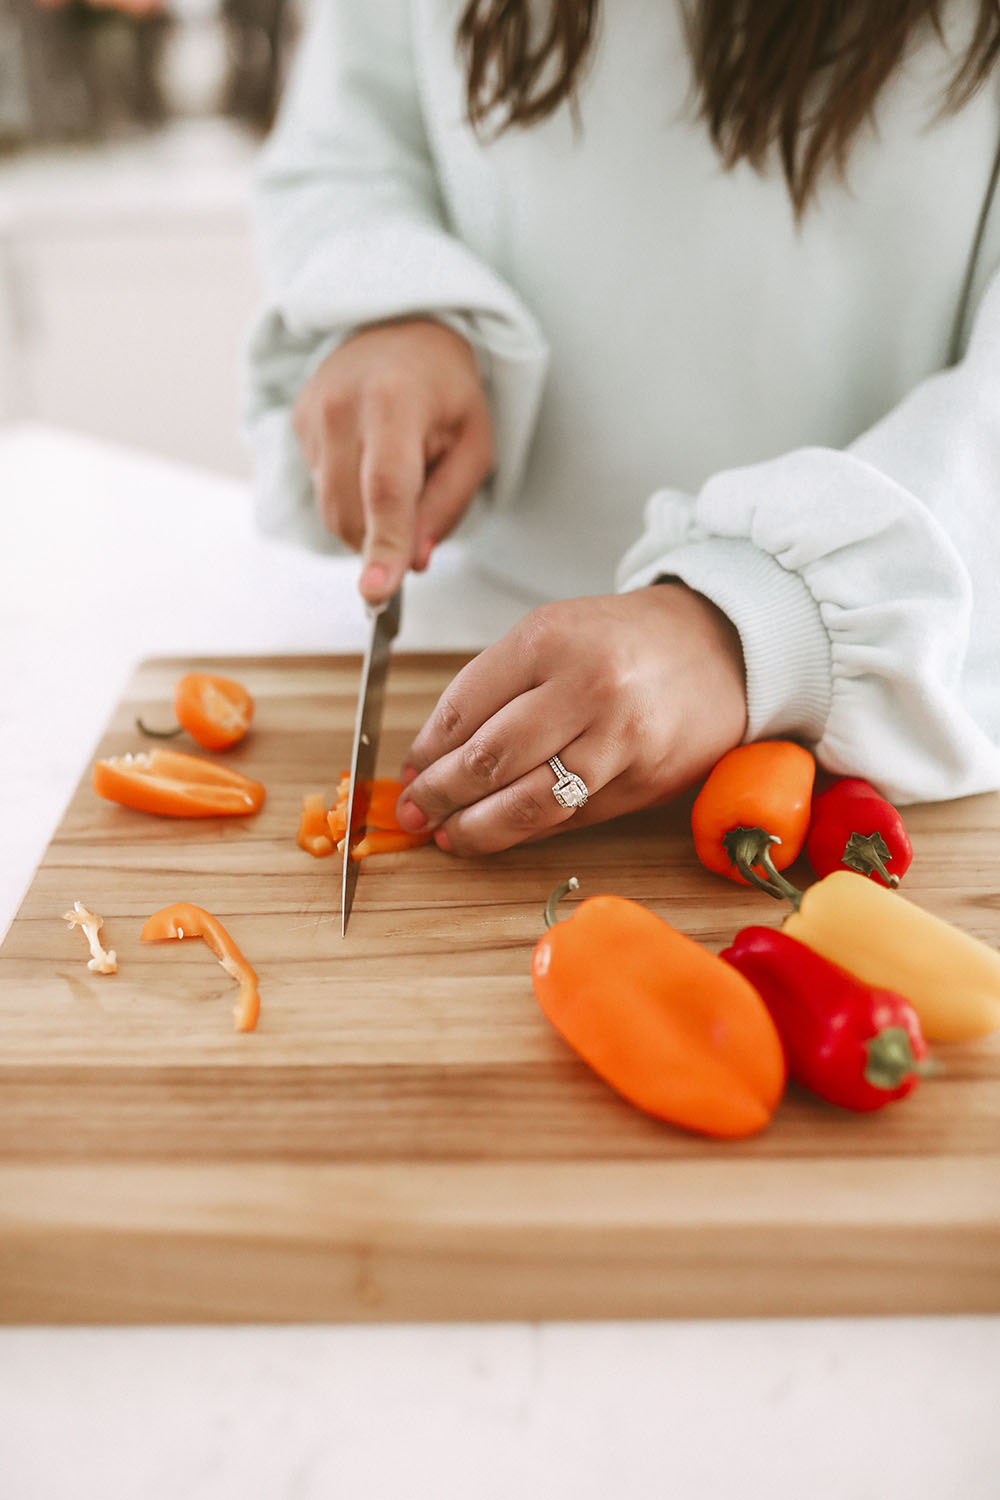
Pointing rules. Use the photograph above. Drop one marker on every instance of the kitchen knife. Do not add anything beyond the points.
(367, 728)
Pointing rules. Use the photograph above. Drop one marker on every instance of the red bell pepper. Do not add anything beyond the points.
(853, 1045)
(852, 825)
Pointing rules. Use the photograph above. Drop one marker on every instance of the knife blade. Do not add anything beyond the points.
(367, 729)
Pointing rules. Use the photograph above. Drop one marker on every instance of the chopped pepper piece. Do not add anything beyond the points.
(182, 920)
(669, 1025)
(215, 711)
(756, 796)
(374, 815)
(102, 961)
(176, 785)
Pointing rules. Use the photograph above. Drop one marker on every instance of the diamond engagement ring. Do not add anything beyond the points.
(569, 790)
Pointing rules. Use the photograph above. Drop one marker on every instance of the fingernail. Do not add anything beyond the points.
(409, 816)
(375, 580)
(443, 841)
(409, 774)
(424, 555)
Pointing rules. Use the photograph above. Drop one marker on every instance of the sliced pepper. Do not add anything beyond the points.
(668, 1024)
(374, 812)
(755, 797)
(852, 825)
(215, 711)
(176, 785)
(384, 841)
(182, 920)
(856, 1046)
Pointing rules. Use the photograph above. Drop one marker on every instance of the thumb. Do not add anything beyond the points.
(391, 479)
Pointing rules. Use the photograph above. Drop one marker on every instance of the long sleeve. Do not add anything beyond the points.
(863, 583)
(352, 229)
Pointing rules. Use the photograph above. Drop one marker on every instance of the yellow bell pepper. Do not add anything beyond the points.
(951, 979)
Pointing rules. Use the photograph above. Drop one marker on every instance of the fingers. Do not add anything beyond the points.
(391, 481)
(493, 759)
(451, 484)
(527, 809)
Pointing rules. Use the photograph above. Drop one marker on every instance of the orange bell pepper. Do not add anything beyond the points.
(176, 785)
(757, 798)
(672, 1027)
(215, 711)
(182, 920)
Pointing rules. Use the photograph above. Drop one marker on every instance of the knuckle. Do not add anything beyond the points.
(523, 809)
(449, 719)
(481, 763)
(335, 406)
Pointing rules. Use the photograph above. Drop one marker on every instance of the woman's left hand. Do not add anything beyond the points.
(639, 694)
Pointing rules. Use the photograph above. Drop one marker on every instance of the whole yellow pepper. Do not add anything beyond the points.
(951, 979)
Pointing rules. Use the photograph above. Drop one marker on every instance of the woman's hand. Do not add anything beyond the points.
(639, 694)
(395, 429)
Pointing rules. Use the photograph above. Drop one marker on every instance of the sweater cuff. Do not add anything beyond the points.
(786, 648)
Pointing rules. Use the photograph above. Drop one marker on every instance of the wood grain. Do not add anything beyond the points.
(404, 1136)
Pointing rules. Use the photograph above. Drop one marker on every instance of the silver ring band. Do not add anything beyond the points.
(569, 790)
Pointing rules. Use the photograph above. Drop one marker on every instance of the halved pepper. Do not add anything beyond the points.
(176, 785)
(668, 1024)
(758, 795)
(183, 920)
(215, 711)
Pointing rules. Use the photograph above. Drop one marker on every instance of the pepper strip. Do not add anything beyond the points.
(176, 785)
(182, 920)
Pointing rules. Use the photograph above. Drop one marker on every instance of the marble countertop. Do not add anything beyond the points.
(108, 556)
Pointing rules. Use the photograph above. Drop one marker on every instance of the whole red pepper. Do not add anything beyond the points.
(852, 1045)
(850, 824)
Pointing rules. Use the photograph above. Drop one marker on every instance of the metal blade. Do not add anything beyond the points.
(367, 729)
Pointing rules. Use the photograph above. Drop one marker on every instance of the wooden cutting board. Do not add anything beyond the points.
(404, 1136)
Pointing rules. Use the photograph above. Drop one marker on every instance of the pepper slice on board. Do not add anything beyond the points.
(668, 1024)
(756, 796)
(851, 1044)
(176, 785)
(182, 920)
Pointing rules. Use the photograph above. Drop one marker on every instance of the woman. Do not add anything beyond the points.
(670, 289)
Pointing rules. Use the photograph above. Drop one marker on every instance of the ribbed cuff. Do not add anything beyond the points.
(785, 644)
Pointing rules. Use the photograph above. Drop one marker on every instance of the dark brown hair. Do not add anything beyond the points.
(798, 76)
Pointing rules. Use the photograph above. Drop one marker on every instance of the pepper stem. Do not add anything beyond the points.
(866, 852)
(572, 884)
(749, 847)
(891, 1060)
(159, 734)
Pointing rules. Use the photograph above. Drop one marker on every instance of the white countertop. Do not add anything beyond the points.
(108, 556)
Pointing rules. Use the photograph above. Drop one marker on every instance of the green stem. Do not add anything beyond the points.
(159, 734)
(572, 884)
(866, 852)
(891, 1060)
(749, 847)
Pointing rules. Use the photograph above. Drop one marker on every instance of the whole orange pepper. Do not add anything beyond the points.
(672, 1027)
(757, 798)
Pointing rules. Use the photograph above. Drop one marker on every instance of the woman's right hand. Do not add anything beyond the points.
(395, 429)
